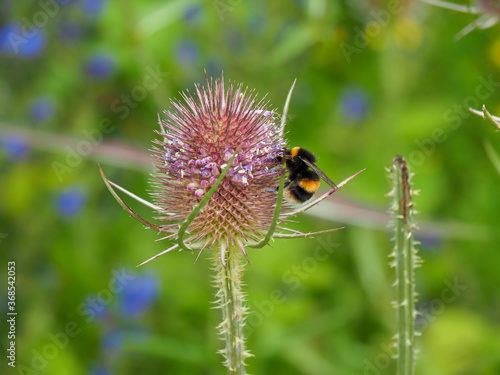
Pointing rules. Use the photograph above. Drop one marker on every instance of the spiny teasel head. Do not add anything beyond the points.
(200, 136)
(217, 166)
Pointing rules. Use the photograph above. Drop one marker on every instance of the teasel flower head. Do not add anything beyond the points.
(200, 137)
(216, 156)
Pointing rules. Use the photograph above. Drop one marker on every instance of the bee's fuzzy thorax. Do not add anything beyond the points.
(301, 153)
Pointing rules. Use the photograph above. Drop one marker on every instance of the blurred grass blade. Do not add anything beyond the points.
(161, 17)
(453, 6)
(492, 155)
(295, 42)
(118, 154)
(405, 261)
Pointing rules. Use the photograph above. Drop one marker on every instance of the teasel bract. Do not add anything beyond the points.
(216, 156)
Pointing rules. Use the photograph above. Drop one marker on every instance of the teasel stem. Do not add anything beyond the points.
(405, 262)
(231, 300)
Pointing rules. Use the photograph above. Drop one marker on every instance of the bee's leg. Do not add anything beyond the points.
(274, 190)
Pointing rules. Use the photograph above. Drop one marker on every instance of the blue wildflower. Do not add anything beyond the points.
(13, 41)
(112, 340)
(138, 295)
(92, 7)
(100, 66)
(42, 109)
(429, 240)
(99, 370)
(187, 52)
(354, 104)
(70, 202)
(70, 31)
(16, 147)
(193, 14)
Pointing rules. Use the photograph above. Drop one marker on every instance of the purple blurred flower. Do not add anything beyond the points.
(92, 7)
(100, 66)
(42, 109)
(99, 370)
(193, 14)
(354, 104)
(187, 52)
(16, 147)
(138, 295)
(112, 340)
(96, 307)
(14, 41)
(429, 241)
(70, 202)
(70, 31)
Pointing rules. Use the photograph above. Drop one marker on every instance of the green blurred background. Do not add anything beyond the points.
(70, 67)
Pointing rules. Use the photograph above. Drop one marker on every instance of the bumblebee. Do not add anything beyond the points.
(303, 175)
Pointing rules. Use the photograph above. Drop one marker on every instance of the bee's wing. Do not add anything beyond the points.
(319, 172)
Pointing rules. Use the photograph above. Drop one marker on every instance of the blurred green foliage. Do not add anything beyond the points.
(404, 89)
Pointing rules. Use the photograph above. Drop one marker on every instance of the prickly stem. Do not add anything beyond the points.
(405, 261)
(231, 299)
